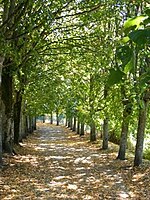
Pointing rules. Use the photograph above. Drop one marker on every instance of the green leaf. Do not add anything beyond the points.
(146, 22)
(147, 11)
(128, 67)
(124, 53)
(145, 79)
(133, 23)
(125, 39)
(140, 36)
(115, 77)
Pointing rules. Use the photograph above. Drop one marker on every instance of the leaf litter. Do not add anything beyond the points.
(54, 163)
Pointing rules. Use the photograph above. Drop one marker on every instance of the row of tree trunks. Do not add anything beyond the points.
(14, 126)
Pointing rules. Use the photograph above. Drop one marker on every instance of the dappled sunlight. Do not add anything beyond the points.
(33, 160)
(49, 167)
(136, 177)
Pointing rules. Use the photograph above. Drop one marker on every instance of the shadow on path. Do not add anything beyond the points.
(56, 164)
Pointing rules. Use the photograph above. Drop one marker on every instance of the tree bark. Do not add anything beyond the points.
(7, 105)
(92, 111)
(51, 118)
(93, 132)
(74, 124)
(78, 127)
(57, 118)
(105, 134)
(17, 117)
(71, 123)
(1, 66)
(124, 134)
(82, 129)
(43, 118)
(105, 124)
(66, 121)
(34, 123)
(140, 134)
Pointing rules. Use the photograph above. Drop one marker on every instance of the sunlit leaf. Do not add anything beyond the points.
(125, 39)
(128, 67)
(133, 23)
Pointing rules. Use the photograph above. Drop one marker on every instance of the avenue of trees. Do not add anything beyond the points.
(88, 60)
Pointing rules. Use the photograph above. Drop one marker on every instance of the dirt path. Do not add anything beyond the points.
(55, 164)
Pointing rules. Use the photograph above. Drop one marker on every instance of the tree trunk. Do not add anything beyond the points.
(1, 66)
(34, 123)
(51, 118)
(93, 132)
(78, 127)
(26, 126)
(71, 124)
(105, 124)
(29, 124)
(92, 111)
(74, 124)
(43, 118)
(124, 132)
(7, 105)
(66, 121)
(57, 118)
(17, 117)
(140, 134)
(23, 131)
(82, 129)
(105, 134)
(123, 141)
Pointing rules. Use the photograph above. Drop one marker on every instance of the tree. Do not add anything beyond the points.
(132, 58)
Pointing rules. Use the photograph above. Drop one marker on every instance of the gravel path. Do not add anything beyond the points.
(56, 164)
(78, 171)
